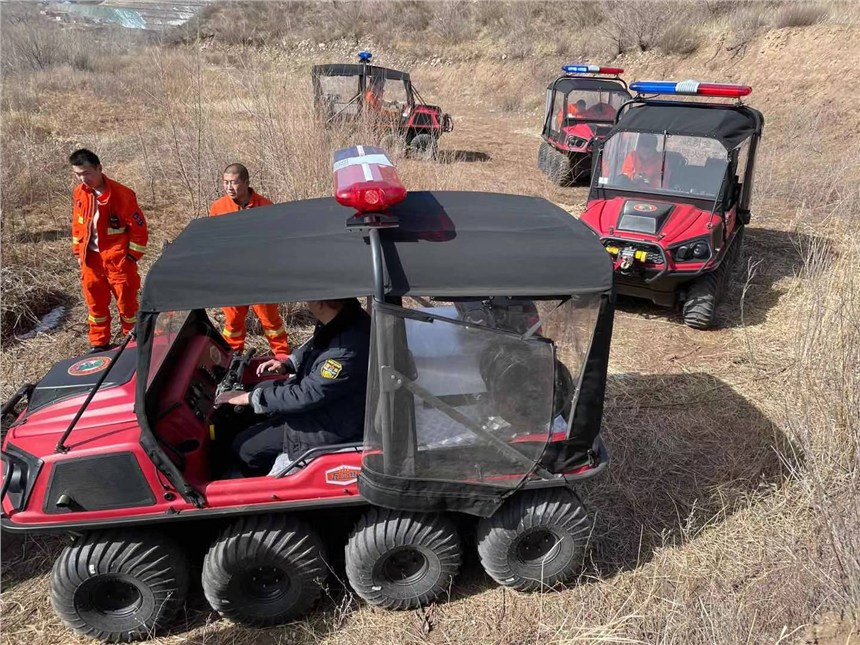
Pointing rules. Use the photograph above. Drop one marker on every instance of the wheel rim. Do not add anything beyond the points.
(116, 598)
(404, 566)
(265, 584)
(539, 546)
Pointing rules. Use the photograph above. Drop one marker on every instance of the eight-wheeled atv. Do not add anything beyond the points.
(492, 321)
(580, 109)
(385, 99)
(671, 191)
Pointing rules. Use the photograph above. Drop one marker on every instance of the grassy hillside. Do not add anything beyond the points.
(731, 510)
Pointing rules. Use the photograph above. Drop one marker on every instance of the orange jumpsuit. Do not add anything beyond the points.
(636, 164)
(234, 325)
(111, 269)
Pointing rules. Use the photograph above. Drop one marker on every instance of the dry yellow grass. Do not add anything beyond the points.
(730, 511)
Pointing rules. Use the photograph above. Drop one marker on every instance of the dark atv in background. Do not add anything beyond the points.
(384, 98)
(581, 106)
(670, 194)
(483, 410)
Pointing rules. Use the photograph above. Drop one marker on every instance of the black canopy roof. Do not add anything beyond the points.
(349, 69)
(567, 83)
(731, 125)
(452, 244)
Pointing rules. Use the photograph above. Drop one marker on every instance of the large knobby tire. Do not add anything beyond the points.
(264, 570)
(393, 144)
(424, 147)
(119, 586)
(543, 155)
(705, 293)
(401, 560)
(559, 168)
(536, 540)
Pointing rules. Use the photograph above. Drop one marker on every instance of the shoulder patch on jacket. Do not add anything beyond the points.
(330, 369)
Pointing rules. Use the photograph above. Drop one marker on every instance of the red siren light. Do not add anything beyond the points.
(365, 179)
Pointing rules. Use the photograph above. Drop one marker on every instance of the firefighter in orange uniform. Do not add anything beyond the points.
(108, 237)
(644, 165)
(240, 196)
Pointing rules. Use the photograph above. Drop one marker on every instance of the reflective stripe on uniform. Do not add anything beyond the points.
(80, 220)
(274, 332)
(116, 231)
(76, 240)
(129, 321)
(137, 247)
(96, 319)
(231, 334)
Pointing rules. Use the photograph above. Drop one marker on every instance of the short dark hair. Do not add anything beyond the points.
(238, 169)
(84, 157)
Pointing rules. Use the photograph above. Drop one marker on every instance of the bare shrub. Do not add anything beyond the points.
(746, 22)
(641, 25)
(796, 14)
(682, 39)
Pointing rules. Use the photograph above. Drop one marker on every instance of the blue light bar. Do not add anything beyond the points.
(654, 87)
(364, 56)
(578, 69)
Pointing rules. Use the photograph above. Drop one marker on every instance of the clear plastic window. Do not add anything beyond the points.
(471, 391)
(168, 324)
(595, 105)
(672, 164)
(338, 93)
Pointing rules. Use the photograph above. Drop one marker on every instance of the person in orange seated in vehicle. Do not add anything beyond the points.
(240, 196)
(644, 165)
(574, 111)
(109, 236)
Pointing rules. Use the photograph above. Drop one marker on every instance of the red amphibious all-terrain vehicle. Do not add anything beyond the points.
(671, 191)
(491, 327)
(581, 106)
(386, 99)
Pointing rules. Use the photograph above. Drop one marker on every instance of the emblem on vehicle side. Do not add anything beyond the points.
(342, 475)
(644, 208)
(89, 366)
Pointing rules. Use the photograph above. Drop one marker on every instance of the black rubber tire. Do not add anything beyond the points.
(393, 144)
(119, 586)
(543, 155)
(559, 168)
(264, 570)
(424, 147)
(401, 560)
(536, 540)
(705, 294)
(701, 303)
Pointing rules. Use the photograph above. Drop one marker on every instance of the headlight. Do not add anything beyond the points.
(695, 250)
(575, 142)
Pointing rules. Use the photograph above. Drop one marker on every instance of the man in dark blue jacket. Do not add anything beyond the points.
(323, 404)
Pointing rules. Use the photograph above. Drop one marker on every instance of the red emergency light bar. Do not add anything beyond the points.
(366, 180)
(691, 88)
(591, 69)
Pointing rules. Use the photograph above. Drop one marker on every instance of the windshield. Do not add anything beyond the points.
(591, 105)
(656, 163)
(167, 328)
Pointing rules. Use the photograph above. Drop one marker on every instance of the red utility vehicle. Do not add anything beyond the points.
(671, 192)
(580, 109)
(492, 322)
(384, 98)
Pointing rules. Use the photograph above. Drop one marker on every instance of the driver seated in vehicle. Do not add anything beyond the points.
(323, 404)
(644, 165)
(574, 111)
